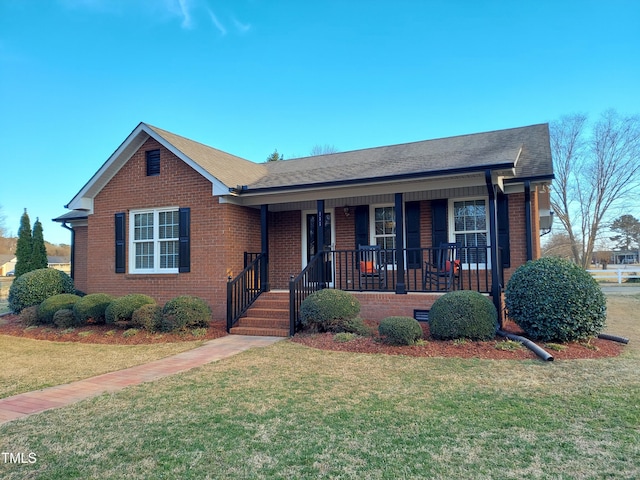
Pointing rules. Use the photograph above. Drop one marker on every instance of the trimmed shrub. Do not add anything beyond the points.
(552, 299)
(400, 330)
(33, 288)
(185, 312)
(64, 318)
(121, 309)
(463, 314)
(92, 306)
(329, 310)
(51, 305)
(148, 317)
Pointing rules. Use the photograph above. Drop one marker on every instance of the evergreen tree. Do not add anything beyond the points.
(39, 252)
(24, 247)
(275, 156)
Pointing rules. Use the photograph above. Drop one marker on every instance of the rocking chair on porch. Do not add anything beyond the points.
(372, 270)
(443, 274)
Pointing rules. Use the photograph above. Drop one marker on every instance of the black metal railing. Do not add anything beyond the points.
(348, 271)
(243, 290)
(311, 279)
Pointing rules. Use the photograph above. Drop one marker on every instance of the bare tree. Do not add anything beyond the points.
(596, 170)
(2, 220)
(325, 149)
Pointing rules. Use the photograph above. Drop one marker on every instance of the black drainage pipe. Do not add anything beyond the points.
(543, 354)
(615, 338)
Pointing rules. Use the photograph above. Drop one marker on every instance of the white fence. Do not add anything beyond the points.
(616, 274)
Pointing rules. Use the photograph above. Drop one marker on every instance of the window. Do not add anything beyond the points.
(384, 227)
(154, 241)
(384, 232)
(470, 230)
(153, 162)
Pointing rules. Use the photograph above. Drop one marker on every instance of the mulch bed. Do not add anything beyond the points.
(597, 348)
(102, 334)
(108, 334)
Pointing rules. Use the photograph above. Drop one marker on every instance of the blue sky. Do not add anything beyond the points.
(249, 76)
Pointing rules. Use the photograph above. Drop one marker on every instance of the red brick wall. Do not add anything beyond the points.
(220, 233)
(285, 247)
(80, 264)
(376, 306)
(517, 239)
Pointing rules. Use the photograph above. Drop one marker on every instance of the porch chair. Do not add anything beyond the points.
(443, 272)
(372, 270)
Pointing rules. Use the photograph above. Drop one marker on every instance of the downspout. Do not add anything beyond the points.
(73, 247)
(496, 288)
(527, 219)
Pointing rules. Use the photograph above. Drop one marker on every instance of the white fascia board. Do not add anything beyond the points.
(84, 199)
(218, 188)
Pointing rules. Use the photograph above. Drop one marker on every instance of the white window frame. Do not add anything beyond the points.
(452, 230)
(155, 239)
(372, 228)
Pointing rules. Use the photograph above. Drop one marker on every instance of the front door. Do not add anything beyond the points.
(310, 241)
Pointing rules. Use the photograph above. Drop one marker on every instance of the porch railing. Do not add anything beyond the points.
(344, 272)
(243, 290)
(311, 279)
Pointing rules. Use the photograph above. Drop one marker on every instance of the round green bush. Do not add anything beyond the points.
(148, 317)
(64, 318)
(51, 305)
(328, 310)
(121, 309)
(552, 299)
(92, 306)
(400, 330)
(32, 288)
(185, 312)
(463, 314)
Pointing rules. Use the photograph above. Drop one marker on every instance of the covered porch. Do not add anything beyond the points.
(390, 244)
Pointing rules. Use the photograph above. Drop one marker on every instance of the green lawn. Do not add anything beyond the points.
(291, 412)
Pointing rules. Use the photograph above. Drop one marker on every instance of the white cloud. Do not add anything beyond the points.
(185, 13)
(242, 28)
(221, 28)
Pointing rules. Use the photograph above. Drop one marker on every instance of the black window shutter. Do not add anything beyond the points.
(362, 225)
(439, 221)
(503, 228)
(412, 215)
(184, 246)
(120, 242)
(153, 162)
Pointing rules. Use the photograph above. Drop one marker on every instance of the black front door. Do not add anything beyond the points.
(312, 241)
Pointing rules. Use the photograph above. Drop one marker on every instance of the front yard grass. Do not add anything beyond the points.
(292, 412)
(27, 364)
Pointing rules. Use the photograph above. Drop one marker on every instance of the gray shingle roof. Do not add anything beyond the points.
(526, 147)
(229, 169)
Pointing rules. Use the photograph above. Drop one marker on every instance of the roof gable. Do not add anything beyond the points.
(223, 170)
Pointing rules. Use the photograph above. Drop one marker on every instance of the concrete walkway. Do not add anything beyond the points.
(38, 401)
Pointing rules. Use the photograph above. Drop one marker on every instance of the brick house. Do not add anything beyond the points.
(168, 216)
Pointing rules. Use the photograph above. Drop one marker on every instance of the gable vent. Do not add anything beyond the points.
(153, 162)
